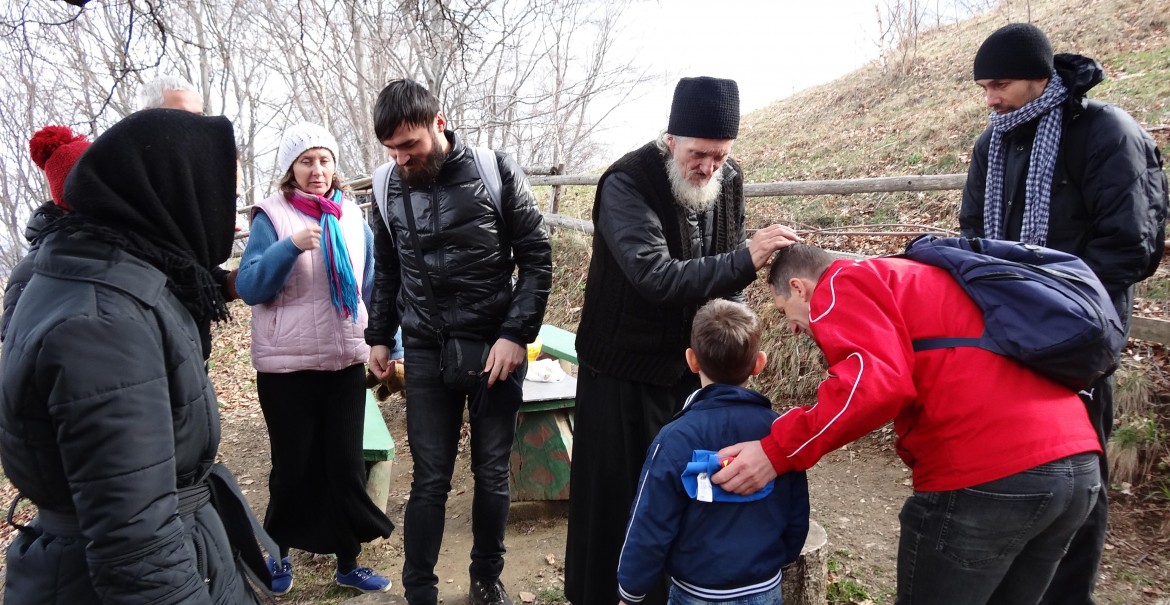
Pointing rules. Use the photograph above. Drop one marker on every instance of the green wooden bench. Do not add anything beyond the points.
(378, 452)
(543, 447)
(559, 343)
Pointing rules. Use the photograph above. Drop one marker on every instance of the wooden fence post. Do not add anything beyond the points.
(554, 202)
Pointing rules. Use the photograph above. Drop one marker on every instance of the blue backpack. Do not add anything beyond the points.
(1044, 308)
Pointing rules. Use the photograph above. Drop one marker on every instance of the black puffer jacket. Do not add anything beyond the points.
(42, 217)
(107, 436)
(1108, 188)
(469, 253)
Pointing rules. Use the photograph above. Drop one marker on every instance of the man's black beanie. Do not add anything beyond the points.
(705, 108)
(1019, 51)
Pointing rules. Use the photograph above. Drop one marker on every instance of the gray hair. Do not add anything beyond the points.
(660, 142)
(150, 96)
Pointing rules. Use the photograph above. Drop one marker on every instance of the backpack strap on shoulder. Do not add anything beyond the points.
(380, 182)
(489, 173)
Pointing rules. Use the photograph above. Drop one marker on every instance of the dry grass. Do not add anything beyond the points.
(876, 122)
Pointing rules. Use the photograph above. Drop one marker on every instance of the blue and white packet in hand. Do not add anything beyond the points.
(696, 479)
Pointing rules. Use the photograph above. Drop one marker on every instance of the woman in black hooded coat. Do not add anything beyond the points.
(108, 422)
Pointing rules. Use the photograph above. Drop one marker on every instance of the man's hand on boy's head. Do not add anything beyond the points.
(748, 473)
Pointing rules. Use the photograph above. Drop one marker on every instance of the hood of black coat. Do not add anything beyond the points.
(1079, 74)
(167, 175)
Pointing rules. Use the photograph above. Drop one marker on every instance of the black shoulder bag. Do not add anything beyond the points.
(462, 357)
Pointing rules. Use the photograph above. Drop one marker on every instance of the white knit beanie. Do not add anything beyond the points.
(299, 139)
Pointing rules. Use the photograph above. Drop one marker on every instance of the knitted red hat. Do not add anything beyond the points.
(55, 149)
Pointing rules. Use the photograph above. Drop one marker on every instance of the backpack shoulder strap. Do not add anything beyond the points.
(379, 183)
(489, 173)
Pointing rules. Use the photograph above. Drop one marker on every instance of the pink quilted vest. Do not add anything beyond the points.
(300, 329)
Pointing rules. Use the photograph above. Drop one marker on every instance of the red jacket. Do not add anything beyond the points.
(962, 416)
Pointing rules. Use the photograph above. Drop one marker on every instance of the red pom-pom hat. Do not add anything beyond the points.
(55, 149)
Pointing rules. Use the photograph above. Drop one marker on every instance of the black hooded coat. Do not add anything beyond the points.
(42, 217)
(108, 421)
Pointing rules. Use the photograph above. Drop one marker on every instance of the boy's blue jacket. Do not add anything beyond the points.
(713, 550)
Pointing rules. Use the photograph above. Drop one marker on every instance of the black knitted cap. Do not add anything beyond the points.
(1019, 51)
(705, 108)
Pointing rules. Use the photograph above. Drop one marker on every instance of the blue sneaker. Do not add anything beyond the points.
(281, 575)
(363, 579)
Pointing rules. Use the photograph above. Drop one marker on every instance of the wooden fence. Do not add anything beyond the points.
(1143, 328)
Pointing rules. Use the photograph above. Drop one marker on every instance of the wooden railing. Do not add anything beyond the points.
(1143, 328)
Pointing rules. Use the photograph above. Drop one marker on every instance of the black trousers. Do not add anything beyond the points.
(434, 418)
(615, 422)
(1076, 577)
(317, 495)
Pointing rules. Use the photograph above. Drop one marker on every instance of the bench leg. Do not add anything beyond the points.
(541, 456)
(378, 483)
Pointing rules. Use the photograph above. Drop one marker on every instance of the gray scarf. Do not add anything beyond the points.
(1038, 187)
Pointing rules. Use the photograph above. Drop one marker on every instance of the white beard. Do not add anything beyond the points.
(695, 198)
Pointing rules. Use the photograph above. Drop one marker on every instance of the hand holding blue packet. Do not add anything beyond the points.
(696, 479)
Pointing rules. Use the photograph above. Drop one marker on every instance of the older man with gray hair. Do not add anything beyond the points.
(170, 92)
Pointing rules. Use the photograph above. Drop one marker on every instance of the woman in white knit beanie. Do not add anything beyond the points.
(307, 264)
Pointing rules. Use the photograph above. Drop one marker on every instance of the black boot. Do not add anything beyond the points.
(488, 592)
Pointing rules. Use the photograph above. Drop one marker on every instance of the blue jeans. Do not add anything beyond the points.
(434, 417)
(998, 542)
(679, 596)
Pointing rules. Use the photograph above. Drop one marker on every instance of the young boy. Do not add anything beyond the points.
(715, 545)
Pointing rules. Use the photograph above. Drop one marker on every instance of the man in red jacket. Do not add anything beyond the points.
(1004, 461)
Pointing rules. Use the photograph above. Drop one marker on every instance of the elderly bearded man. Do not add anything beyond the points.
(668, 237)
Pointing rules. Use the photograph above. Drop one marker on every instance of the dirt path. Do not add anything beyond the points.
(856, 494)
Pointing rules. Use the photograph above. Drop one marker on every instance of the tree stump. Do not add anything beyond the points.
(805, 582)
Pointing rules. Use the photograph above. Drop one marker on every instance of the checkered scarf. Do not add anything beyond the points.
(1038, 187)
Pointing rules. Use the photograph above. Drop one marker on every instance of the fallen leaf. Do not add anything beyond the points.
(550, 559)
(527, 597)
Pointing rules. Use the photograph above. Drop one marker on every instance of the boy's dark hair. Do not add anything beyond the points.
(403, 102)
(797, 260)
(726, 339)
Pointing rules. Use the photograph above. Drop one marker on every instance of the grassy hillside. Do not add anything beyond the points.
(921, 118)
(887, 119)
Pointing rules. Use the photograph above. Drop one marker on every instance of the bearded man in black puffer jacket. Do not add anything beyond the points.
(442, 224)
